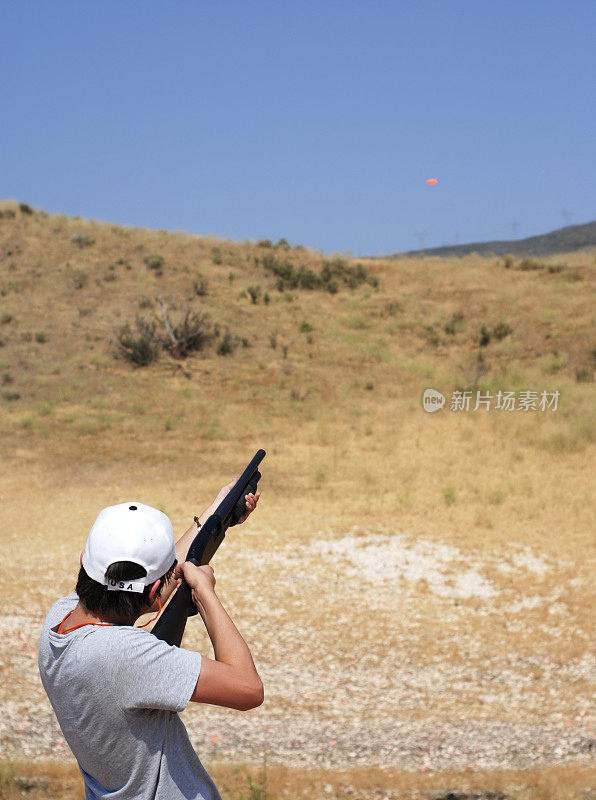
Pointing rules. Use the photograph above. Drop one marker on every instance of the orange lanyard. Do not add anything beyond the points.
(82, 624)
(74, 627)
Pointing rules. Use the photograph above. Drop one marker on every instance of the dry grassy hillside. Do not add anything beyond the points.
(390, 544)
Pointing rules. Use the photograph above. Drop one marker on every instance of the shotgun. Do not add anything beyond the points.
(170, 626)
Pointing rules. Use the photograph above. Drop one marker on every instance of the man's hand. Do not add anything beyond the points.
(200, 579)
(250, 499)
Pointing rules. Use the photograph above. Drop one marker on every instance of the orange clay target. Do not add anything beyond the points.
(431, 181)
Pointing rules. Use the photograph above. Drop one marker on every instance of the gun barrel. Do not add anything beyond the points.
(170, 626)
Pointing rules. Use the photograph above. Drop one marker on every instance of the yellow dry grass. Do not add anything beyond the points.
(336, 403)
(58, 781)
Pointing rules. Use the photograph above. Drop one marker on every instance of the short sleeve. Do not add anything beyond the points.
(147, 673)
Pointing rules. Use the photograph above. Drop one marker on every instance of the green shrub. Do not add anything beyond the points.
(141, 347)
(283, 244)
(200, 286)
(6, 318)
(451, 326)
(155, 262)
(527, 264)
(25, 209)
(334, 272)
(82, 240)
(79, 277)
(305, 327)
(9, 213)
(432, 335)
(554, 268)
(449, 495)
(192, 333)
(254, 293)
(501, 330)
(484, 336)
(584, 375)
(216, 255)
(273, 340)
(508, 260)
(40, 337)
(264, 243)
(226, 345)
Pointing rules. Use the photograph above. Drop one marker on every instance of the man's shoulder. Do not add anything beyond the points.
(60, 608)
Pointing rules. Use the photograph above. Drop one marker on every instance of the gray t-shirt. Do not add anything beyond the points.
(116, 691)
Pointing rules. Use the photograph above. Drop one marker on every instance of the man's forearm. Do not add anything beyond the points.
(185, 541)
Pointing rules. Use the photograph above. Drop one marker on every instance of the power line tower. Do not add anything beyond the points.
(514, 227)
(421, 236)
(567, 216)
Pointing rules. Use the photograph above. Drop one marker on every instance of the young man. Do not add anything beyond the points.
(116, 689)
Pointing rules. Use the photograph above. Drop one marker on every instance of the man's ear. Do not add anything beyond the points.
(81, 557)
(154, 591)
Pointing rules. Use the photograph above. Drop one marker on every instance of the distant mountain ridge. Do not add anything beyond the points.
(562, 240)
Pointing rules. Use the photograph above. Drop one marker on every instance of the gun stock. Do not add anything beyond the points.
(170, 626)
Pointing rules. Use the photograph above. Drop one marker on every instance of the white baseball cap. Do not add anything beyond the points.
(130, 532)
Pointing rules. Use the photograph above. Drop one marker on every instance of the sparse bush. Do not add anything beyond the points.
(484, 336)
(25, 209)
(26, 336)
(333, 272)
(305, 327)
(449, 495)
(11, 396)
(216, 255)
(527, 264)
(226, 345)
(82, 240)
(140, 347)
(200, 286)
(451, 326)
(573, 275)
(9, 213)
(554, 268)
(264, 243)
(79, 277)
(508, 260)
(432, 335)
(6, 318)
(584, 375)
(110, 274)
(273, 340)
(40, 337)
(192, 333)
(145, 302)
(254, 293)
(155, 262)
(266, 298)
(7, 378)
(501, 330)
(283, 244)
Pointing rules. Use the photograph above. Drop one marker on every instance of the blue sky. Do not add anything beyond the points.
(317, 121)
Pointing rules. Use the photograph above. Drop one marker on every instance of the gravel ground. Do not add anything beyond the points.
(374, 651)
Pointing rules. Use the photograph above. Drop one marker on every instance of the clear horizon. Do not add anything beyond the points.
(320, 123)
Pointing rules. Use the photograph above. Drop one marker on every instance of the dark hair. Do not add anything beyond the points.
(97, 598)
